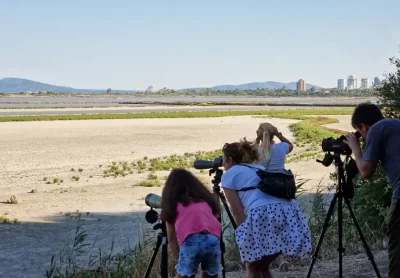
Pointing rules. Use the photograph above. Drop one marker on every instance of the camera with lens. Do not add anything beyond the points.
(337, 145)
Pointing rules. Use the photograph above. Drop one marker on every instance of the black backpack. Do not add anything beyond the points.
(277, 184)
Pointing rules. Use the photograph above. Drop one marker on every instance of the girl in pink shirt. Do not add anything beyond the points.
(190, 211)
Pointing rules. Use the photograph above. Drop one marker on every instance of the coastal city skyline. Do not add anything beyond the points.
(19, 85)
(353, 82)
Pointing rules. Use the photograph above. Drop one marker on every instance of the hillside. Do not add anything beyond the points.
(16, 85)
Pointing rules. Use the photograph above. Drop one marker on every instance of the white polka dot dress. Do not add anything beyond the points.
(271, 229)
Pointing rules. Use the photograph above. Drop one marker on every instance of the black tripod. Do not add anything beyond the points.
(217, 191)
(340, 195)
(161, 240)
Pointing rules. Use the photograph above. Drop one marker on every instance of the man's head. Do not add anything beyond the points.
(364, 116)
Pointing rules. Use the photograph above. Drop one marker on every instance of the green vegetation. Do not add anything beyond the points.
(175, 161)
(6, 220)
(311, 130)
(132, 262)
(389, 93)
(152, 176)
(52, 180)
(118, 169)
(287, 114)
(372, 201)
(149, 183)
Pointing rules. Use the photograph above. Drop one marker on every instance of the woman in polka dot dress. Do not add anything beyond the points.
(267, 226)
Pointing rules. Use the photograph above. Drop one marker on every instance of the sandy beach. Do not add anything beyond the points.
(31, 151)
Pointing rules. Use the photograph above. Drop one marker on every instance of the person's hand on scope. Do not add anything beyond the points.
(352, 141)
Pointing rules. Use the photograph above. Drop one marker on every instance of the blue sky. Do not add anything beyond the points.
(180, 44)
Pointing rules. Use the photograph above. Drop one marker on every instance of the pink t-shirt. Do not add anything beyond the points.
(195, 218)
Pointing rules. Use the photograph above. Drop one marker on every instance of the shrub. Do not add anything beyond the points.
(152, 176)
(149, 183)
(372, 201)
(13, 200)
(389, 93)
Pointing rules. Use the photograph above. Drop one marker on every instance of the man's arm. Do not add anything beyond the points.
(366, 168)
(367, 161)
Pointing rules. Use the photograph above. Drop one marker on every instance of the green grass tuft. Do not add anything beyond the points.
(149, 183)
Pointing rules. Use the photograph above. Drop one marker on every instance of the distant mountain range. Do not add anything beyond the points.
(16, 85)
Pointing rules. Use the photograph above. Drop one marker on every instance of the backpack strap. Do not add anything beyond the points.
(252, 167)
(251, 187)
(247, 188)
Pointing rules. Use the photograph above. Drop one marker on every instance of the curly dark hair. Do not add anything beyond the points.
(366, 113)
(183, 187)
(241, 152)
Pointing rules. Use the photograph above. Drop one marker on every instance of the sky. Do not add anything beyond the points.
(96, 44)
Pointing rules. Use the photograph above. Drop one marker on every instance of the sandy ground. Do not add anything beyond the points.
(354, 266)
(31, 151)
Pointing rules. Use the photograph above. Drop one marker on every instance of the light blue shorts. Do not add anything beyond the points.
(202, 248)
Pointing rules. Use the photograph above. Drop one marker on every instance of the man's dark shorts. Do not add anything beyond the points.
(393, 221)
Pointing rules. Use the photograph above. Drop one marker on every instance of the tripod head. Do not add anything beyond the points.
(160, 226)
(217, 178)
(345, 172)
(152, 217)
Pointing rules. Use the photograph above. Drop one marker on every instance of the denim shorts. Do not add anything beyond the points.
(202, 248)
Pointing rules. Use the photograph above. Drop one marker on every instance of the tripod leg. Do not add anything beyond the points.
(325, 227)
(222, 256)
(164, 257)
(340, 228)
(153, 257)
(368, 251)
(228, 212)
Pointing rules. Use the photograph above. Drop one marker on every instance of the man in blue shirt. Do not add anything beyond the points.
(382, 145)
